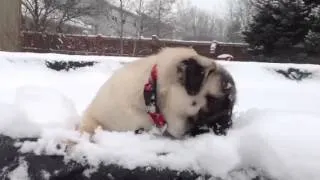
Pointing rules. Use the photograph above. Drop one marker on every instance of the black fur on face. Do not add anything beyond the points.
(218, 116)
(191, 75)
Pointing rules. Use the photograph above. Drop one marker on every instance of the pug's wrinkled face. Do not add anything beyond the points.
(216, 116)
(211, 89)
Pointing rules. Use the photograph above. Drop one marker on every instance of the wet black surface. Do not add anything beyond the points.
(40, 167)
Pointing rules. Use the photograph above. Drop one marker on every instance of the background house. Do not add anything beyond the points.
(107, 22)
(74, 27)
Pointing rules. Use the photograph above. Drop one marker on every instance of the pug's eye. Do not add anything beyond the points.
(210, 72)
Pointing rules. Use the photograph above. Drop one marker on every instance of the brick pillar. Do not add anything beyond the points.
(10, 16)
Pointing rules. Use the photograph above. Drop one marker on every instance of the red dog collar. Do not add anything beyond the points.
(150, 98)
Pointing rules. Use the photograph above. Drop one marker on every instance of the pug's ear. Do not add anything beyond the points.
(191, 75)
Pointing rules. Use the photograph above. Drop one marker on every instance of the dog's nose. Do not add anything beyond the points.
(198, 118)
(202, 111)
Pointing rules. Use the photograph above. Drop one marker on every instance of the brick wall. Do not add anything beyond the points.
(102, 45)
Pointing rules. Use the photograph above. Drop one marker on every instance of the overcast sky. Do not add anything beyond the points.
(219, 6)
(212, 6)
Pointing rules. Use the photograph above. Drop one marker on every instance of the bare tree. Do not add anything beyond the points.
(246, 11)
(139, 24)
(239, 16)
(196, 24)
(74, 9)
(118, 25)
(140, 9)
(43, 12)
(122, 21)
(162, 13)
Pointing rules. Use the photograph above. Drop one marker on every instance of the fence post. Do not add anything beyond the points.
(10, 18)
(155, 44)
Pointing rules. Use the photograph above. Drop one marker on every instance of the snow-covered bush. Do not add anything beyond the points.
(67, 65)
(312, 39)
(295, 74)
(277, 24)
(312, 42)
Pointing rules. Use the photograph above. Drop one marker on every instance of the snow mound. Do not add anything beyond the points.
(284, 144)
(225, 56)
(47, 107)
(20, 172)
(14, 122)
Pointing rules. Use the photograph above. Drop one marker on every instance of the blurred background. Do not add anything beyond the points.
(256, 30)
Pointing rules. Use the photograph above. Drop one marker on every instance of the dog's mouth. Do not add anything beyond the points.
(217, 122)
(213, 118)
(205, 124)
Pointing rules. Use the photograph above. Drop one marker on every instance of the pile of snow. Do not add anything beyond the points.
(225, 57)
(20, 172)
(276, 120)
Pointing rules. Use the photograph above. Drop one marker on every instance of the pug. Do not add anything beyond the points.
(169, 93)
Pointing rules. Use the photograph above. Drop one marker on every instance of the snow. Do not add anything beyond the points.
(20, 172)
(229, 43)
(225, 56)
(45, 175)
(276, 120)
(12, 116)
(287, 143)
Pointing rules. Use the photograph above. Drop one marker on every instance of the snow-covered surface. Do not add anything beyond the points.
(276, 119)
(20, 172)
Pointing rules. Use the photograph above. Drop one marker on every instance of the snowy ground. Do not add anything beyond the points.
(276, 119)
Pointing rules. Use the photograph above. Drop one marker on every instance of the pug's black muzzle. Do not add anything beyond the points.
(218, 123)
